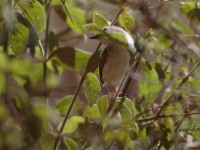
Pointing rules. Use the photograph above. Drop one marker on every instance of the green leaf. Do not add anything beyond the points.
(126, 107)
(71, 58)
(72, 124)
(34, 12)
(119, 37)
(79, 20)
(92, 28)
(181, 27)
(63, 104)
(186, 7)
(102, 104)
(18, 38)
(47, 141)
(71, 144)
(149, 85)
(127, 21)
(129, 105)
(92, 88)
(100, 21)
(92, 112)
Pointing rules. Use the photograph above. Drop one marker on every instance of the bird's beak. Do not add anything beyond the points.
(94, 37)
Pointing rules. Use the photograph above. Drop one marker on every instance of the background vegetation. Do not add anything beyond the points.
(50, 95)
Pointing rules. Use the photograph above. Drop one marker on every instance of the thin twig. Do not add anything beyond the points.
(68, 12)
(77, 90)
(166, 116)
(45, 52)
(167, 101)
(69, 111)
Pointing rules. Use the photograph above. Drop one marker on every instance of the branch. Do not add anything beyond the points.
(68, 12)
(45, 52)
(78, 88)
(154, 118)
(69, 111)
(167, 101)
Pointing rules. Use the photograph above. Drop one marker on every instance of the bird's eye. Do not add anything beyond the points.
(105, 29)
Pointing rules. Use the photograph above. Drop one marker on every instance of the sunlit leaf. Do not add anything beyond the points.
(126, 108)
(99, 21)
(129, 105)
(71, 144)
(186, 7)
(34, 12)
(126, 20)
(78, 17)
(181, 27)
(72, 124)
(92, 112)
(92, 28)
(102, 104)
(149, 85)
(18, 38)
(63, 104)
(119, 37)
(47, 141)
(92, 88)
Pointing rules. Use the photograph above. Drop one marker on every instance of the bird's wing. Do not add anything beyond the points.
(103, 60)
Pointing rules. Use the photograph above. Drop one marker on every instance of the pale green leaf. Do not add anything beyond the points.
(72, 124)
(34, 12)
(119, 37)
(92, 88)
(78, 21)
(92, 112)
(63, 104)
(71, 144)
(100, 21)
(18, 38)
(186, 7)
(92, 28)
(150, 85)
(127, 21)
(102, 104)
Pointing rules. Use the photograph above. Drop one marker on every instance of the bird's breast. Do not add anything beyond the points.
(116, 66)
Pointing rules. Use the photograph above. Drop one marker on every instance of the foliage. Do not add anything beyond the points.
(50, 94)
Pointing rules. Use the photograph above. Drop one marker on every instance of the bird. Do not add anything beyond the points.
(115, 58)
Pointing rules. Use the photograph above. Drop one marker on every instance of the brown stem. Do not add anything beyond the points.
(69, 111)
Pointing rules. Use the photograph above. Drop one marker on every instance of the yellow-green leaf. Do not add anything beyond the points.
(92, 88)
(100, 21)
(127, 21)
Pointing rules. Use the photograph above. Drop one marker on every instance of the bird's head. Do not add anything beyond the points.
(115, 35)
